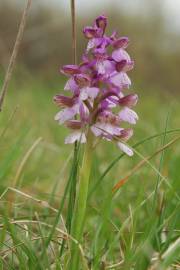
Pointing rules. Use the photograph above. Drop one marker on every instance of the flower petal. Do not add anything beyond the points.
(96, 131)
(120, 54)
(75, 136)
(71, 85)
(128, 115)
(94, 42)
(105, 129)
(127, 150)
(66, 114)
(90, 92)
(105, 67)
(120, 80)
(84, 112)
(100, 67)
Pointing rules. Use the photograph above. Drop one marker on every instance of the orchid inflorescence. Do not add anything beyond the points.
(97, 102)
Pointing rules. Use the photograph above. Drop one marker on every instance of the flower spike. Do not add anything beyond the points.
(97, 102)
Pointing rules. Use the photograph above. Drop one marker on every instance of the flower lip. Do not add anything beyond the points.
(70, 69)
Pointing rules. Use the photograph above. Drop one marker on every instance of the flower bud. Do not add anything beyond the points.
(101, 22)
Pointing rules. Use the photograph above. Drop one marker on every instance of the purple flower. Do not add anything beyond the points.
(97, 100)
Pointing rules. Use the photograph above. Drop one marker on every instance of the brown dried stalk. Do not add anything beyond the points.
(73, 18)
(12, 61)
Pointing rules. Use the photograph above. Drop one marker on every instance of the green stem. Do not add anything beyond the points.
(80, 204)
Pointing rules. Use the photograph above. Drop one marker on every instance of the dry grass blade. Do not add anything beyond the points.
(113, 266)
(40, 202)
(121, 182)
(14, 53)
(175, 244)
(63, 233)
(13, 248)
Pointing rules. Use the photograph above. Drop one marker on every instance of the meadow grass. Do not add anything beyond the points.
(137, 227)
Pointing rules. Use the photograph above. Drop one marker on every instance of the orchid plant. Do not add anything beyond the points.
(97, 107)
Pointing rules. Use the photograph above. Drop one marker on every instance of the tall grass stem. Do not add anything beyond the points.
(80, 203)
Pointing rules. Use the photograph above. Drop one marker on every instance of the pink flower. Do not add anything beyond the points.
(96, 88)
